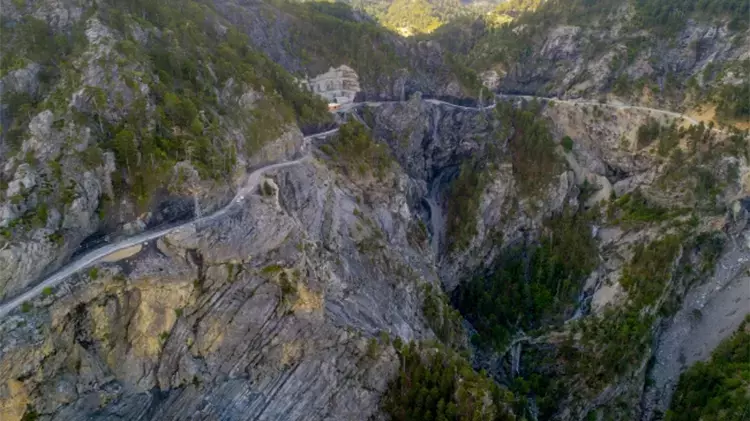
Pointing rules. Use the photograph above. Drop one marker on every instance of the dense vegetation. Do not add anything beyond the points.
(695, 172)
(667, 136)
(731, 97)
(411, 16)
(662, 16)
(612, 343)
(716, 389)
(592, 354)
(512, 39)
(465, 195)
(514, 8)
(324, 34)
(529, 285)
(158, 101)
(580, 364)
(356, 153)
(670, 15)
(535, 163)
(27, 42)
(438, 384)
(649, 270)
(329, 33)
(633, 208)
(414, 16)
(442, 318)
(733, 102)
(532, 149)
(645, 278)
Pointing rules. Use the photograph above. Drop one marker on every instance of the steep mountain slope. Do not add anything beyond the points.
(266, 313)
(414, 17)
(559, 255)
(309, 38)
(549, 259)
(671, 54)
(114, 120)
(239, 317)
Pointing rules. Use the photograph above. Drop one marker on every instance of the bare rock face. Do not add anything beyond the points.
(604, 136)
(265, 313)
(561, 43)
(279, 310)
(584, 61)
(287, 36)
(57, 183)
(21, 80)
(283, 308)
(430, 141)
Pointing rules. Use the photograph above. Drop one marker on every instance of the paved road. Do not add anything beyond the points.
(90, 258)
(351, 106)
(94, 256)
(614, 104)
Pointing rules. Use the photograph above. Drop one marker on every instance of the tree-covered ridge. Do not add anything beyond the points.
(436, 384)
(530, 285)
(663, 19)
(356, 153)
(569, 47)
(531, 152)
(311, 37)
(671, 15)
(535, 160)
(411, 17)
(153, 83)
(332, 33)
(465, 196)
(508, 10)
(718, 389)
(663, 16)
(590, 355)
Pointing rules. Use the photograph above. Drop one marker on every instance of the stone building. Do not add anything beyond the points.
(338, 85)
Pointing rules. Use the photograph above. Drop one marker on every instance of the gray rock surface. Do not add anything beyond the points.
(270, 313)
(265, 313)
(585, 61)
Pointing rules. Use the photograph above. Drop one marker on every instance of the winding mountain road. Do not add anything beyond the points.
(615, 105)
(88, 259)
(92, 257)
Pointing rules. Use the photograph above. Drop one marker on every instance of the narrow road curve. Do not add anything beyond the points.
(90, 258)
(94, 256)
(615, 105)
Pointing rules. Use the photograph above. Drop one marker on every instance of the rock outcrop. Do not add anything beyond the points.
(288, 307)
(268, 312)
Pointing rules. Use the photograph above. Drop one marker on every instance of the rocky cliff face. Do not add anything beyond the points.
(287, 300)
(75, 78)
(267, 312)
(308, 39)
(569, 49)
(285, 308)
(605, 160)
(431, 142)
(584, 61)
(262, 312)
(92, 147)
